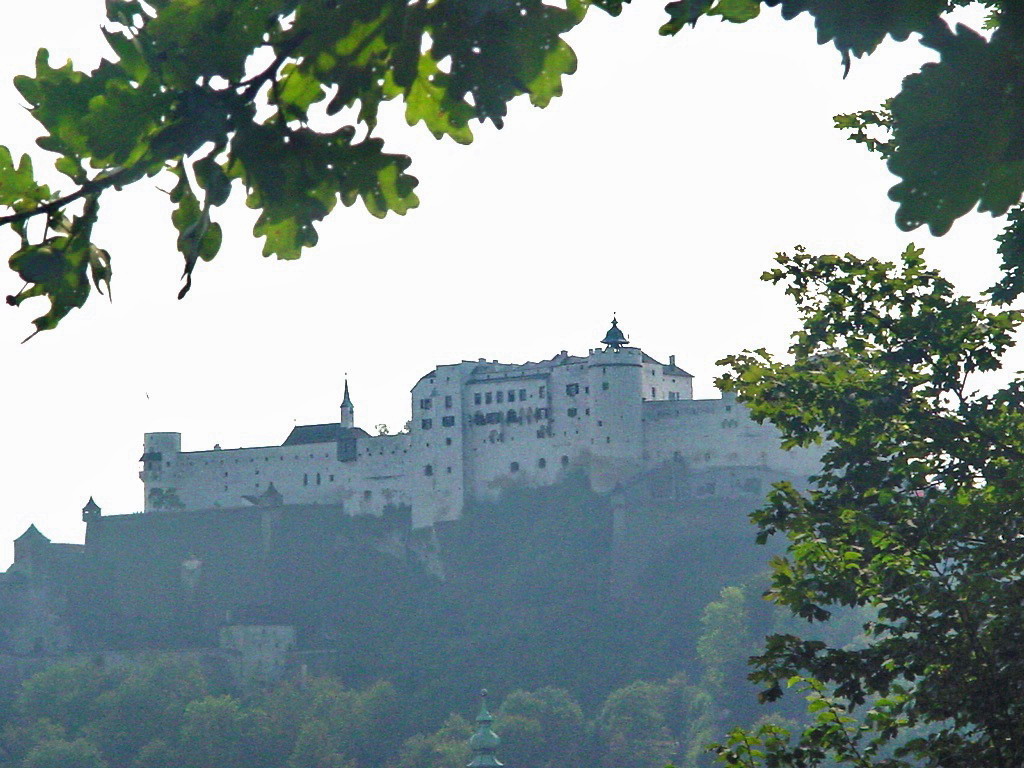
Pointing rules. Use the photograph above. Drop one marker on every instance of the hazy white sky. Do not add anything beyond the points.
(658, 187)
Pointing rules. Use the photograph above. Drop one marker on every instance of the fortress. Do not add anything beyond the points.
(579, 489)
(481, 427)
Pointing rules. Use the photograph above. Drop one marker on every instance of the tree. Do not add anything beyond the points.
(181, 97)
(913, 517)
(631, 727)
(541, 728)
(61, 754)
(447, 746)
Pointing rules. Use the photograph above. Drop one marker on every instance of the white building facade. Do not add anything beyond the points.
(478, 428)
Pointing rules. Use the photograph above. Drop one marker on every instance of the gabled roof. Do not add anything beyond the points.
(308, 434)
(668, 370)
(32, 533)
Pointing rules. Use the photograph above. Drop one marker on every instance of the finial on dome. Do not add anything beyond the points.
(615, 338)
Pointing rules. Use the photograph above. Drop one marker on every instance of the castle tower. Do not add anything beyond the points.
(485, 742)
(615, 426)
(160, 451)
(91, 511)
(348, 411)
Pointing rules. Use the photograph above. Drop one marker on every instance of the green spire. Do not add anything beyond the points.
(484, 742)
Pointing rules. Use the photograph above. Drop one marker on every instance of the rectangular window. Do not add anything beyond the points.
(540, 413)
(522, 395)
(572, 389)
(447, 401)
(571, 412)
(511, 395)
(425, 403)
(476, 398)
(494, 417)
(427, 423)
(604, 385)
(448, 421)
(488, 398)
(540, 392)
(501, 396)
(654, 393)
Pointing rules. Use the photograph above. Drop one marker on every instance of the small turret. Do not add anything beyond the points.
(348, 411)
(615, 338)
(485, 742)
(91, 511)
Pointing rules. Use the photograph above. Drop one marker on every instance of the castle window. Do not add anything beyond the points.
(607, 439)
(511, 395)
(565, 461)
(449, 470)
(522, 394)
(600, 423)
(427, 423)
(541, 413)
(331, 478)
(604, 385)
(541, 463)
(514, 466)
(479, 418)
(571, 412)
(425, 403)
(447, 421)
(428, 470)
(476, 398)
(305, 479)
(488, 398)
(367, 495)
(654, 393)
(318, 478)
(494, 417)
(586, 390)
(501, 396)
(511, 417)
(447, 401)
(572, 389)
(540, 392)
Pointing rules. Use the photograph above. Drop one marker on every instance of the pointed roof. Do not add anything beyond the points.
(32, 534)
(91, 507)
(346, 401)
(615, 337)
(484, 742)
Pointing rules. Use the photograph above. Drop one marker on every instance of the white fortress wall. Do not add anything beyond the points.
(478, 428)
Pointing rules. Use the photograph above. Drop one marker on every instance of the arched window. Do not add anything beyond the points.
(514, 466)
(541, 463)
(565, 461)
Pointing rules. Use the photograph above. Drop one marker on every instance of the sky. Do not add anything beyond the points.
(658, 187)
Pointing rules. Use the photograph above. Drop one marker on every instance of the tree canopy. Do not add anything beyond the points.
(913, 517)
(281, 98)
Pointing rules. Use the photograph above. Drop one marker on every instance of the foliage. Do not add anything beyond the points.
(913, 516)
(283, 98)
(221, 92)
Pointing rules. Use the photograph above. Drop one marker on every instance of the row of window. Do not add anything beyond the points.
(511, 416)
(446, 421)
(426, 403)
(542, 463)
(502, 396)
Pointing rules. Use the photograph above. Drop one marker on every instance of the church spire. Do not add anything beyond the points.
(485, 742)
(348, 411)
